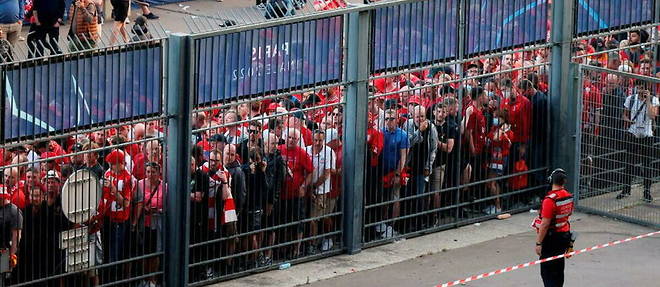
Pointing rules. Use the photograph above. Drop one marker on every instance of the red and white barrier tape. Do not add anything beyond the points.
(525, 265)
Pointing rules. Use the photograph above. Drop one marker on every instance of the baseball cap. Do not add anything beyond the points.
(415, 100)
(272, 107)
(52, 174)
(115, 157)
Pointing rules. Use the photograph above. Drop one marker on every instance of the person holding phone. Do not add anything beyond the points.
(641, 108)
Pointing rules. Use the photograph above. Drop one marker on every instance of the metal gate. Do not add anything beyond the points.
(619, 147)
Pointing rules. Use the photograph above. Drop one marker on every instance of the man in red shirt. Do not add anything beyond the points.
(475, 135)
(114, 208)
(14, 186)
(298, 177)
(553, 229)
(519, 109)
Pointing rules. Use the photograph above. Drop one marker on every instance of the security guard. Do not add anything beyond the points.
(553, 229)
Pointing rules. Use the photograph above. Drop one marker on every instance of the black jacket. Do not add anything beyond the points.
(199, 182)
(238, 186)
(275, 175)
(48, 11)
(257, 189)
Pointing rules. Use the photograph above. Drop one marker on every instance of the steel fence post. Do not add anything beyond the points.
(179, 107)
(357, 98)
(563, 100)
(575, 84)
(462, 53)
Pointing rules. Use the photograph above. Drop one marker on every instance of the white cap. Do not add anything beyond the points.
(52, 174)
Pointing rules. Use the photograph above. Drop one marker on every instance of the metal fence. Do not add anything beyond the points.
(619, 149)
(251, 125)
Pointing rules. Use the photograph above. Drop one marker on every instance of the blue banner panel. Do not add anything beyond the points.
(594, 15)
(268, 59)
(76, 92)
(501, 24)
(414, 33)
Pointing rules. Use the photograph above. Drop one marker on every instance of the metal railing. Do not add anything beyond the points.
(618, 152)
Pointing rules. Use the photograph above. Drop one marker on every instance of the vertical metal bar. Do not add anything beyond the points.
(179, 107)
(462, 38)
(563, 101)
(355, 118)
(577, 74)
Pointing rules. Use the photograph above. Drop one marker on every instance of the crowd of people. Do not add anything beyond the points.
(85, 18)
(619, 125)
(266, 174)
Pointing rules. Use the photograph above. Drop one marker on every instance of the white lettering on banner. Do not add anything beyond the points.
(261, 70)
(269, 51)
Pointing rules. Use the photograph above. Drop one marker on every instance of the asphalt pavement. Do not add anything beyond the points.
(458, 253)
(630, 264)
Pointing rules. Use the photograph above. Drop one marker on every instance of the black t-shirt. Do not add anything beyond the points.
(11, 218)
(199, 182)
(448, 130)
(419, 153)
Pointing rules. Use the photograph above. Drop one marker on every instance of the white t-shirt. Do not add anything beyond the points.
(325, 159)
(642, 125)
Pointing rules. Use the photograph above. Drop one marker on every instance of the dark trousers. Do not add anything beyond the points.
(552, 272)
(639, 151)
(199, 233)
(41, 38)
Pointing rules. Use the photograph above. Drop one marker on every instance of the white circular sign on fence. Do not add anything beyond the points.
(80, 196)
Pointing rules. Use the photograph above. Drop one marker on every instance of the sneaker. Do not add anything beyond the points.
(311, 250)
(491, 210)
(151, 16)
(647, 197)
(623, 195)
(381, 228)
(210, 273)
(264, 261)
(389, 233)
(327, 244)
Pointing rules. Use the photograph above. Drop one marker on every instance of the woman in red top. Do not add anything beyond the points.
(499, 142)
